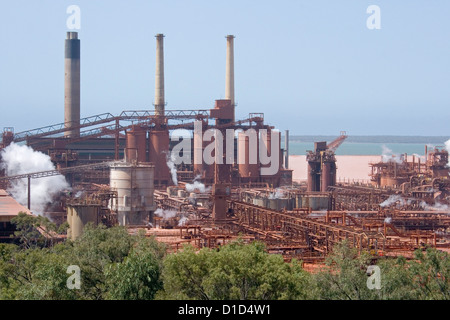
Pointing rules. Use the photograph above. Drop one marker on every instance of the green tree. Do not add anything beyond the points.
(345, 275)
(32, 273)
(235, 271)
(36, 231)
(109, 260)
(430, 273)
(138, 277)
(93, 251)
(425, 277)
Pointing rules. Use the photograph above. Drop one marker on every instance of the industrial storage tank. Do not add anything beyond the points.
(136, 144)
(260, 202)
(315, 202)
(248, 160)
(158, 152)
(78, 216)
(134, 184)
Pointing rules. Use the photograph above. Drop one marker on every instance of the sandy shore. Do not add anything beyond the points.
(348, 167)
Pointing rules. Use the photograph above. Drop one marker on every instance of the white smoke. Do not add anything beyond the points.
(171, 164)
(393, 199)
(436, 207)
(388, 156)
(182, 221)
(447, 147)
(79, 194)
(17, 159)
(197, 185)
(279, 193)
(165, 214)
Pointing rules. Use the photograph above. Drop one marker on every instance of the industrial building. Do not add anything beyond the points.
(9, 209)
(122, 167)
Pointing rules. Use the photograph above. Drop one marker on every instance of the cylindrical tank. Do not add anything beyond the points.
(283, 203)
(78, 216)
(198, 149)
(298, 201)
(136, 144)
(248, 160)
(69, 221)
(135, 188)
(274, 204)
(326, 176)
(266, 141)
(312, 184)
(259, 202)
(314, 202)
(158, 155)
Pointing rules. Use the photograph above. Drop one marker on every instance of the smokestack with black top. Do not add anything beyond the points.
(159, 76)
(72, 85)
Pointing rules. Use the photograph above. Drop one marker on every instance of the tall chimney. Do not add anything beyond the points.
(159, 76)
(229, 72)
(72, 85)
(286, 149)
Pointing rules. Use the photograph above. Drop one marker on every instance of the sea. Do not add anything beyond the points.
(369, 145)
(360, 148)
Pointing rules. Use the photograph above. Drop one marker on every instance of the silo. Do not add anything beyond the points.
(136, 144)
(78, 215)
(159, 154)
(248, 155)
(134, 184)
(261, 202)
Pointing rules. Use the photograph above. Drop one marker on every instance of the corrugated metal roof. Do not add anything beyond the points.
(9, 207)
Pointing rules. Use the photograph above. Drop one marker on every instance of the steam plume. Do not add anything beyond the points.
(165, 214)
(279, 193)
(388, 156)
(170, 158)
(393, 199)
(197, 185)
(17, 159)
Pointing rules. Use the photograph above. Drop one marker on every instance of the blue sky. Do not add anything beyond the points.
(312, 67)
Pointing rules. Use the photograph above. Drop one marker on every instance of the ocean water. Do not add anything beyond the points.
(359, 148)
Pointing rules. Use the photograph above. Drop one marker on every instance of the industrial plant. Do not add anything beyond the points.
(205, 178)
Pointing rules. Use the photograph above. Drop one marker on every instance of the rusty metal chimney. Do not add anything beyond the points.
(229, 72)
(159, 76)
(72, 85)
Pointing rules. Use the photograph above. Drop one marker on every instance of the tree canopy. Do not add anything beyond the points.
(116, 265)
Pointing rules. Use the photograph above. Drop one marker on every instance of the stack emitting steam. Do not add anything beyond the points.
(279, 193)
(170, 158)
(393, 199)
(17, 159)
(388, 156)
(197, 185)
(165, 214)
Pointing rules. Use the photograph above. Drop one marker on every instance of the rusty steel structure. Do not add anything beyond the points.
(322, 164)
(210, 204)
